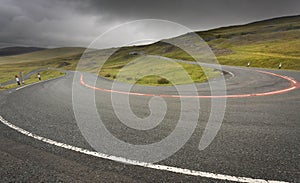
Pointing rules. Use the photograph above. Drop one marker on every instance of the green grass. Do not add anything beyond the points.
(45, 75)
(147, 70)
(64, 58)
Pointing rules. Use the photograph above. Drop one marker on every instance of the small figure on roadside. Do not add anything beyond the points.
(279, 66)
(18, 80)
(39, 76)
(248, 65)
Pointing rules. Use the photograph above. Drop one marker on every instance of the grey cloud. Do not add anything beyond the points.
(52, 23)
(195, 12)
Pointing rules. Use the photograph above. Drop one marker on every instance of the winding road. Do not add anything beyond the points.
(258, 140)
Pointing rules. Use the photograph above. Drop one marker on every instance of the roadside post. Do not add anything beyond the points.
(22, 78)
(280, 65)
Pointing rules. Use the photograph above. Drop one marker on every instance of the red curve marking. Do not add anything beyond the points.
(294, 84)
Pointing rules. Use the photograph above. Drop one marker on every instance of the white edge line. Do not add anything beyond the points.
(231, 73)
(134, 162)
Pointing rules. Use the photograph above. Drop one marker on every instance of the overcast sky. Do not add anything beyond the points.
(56, 23)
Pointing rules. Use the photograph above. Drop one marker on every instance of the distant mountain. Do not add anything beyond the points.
(8, 51)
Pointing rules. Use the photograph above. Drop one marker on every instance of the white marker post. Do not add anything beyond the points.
(279, 67)
(248, 65)
(22, 78)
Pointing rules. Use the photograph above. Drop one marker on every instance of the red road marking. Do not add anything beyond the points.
(294, 84)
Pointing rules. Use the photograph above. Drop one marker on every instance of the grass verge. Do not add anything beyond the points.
(45, 75)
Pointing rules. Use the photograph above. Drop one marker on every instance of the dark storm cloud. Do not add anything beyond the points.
(77, 23)
(196, 13)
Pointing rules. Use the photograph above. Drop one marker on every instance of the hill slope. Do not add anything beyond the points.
(18, 50)
(65, 58)
(265, 44)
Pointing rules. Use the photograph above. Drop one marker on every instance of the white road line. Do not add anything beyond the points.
(230, 73)
(137, 163)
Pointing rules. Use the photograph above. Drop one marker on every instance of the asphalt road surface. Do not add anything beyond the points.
(258, 139)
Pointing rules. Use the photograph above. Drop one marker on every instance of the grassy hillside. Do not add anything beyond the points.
(65, 58)
(150, 70)
(264, 44)
(48, 74)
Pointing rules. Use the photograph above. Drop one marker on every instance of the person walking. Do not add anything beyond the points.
(18, 80)
(39, 76)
